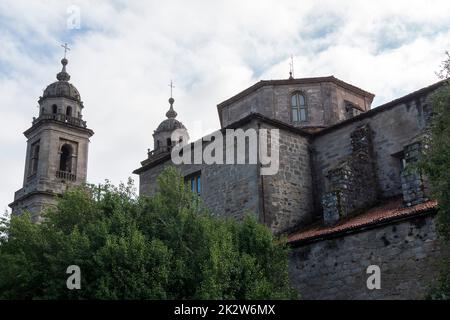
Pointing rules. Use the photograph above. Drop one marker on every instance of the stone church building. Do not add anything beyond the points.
(343, 194)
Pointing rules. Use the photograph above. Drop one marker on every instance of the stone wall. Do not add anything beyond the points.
(51, 136)
(392, 129)
(325, 104)
(227, 190)
(352, 185)
(282, 201)
(413, 185)
(288, 195)
(408, 254)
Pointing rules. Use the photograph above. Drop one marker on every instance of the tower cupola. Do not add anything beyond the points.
(163, 134)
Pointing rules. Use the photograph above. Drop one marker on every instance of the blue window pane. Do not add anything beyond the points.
(294, 101)
(199, 185)
(302, 115)
(301, 99)
(294, 115)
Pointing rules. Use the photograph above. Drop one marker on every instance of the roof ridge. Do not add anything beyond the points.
(263, 83)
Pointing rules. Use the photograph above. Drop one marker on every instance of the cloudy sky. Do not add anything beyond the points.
(126, 52)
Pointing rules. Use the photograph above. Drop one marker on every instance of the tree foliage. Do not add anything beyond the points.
(437, 157)
(436, 164)
(164, 247)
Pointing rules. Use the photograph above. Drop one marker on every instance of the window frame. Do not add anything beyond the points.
(35, 150)
(194, 181)
(299, 107)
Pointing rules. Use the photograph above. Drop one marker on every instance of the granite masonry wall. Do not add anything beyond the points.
(288, 195)
(352, 185)
(325, 104)
(413, 185)
(227, 190)
(408, 254)
(281, 201)
(38, 188)
(392, 130)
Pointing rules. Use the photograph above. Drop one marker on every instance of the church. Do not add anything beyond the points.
(342, 194)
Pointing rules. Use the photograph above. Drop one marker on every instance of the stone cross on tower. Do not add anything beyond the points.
(171, 88)
(66, 48)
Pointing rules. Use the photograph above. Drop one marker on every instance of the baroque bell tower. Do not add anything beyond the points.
(57, 148)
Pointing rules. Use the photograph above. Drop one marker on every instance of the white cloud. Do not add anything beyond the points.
(127, 51)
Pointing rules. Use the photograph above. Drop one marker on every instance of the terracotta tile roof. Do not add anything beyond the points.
(391, 210)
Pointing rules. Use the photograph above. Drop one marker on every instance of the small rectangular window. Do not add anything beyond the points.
(298, 107)
(195, 182)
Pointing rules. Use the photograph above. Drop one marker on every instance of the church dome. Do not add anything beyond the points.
(170, 124)
(62, 87)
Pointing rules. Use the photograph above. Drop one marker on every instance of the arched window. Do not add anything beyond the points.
(55, 109)
(65, 162)
(69, 111)
(34, 161)
(169, 142)
(36, 158)
(298, 107)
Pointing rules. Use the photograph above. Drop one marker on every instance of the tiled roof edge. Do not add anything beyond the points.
(362, 228)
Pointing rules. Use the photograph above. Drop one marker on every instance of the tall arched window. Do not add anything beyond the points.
(34, 161)
(298, 107)
(69, 111)
(65, 162)
(55, 109)
(36, 158)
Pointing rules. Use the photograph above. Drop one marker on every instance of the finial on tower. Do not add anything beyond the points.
(171, 113)
(291, 68)
(63, 75)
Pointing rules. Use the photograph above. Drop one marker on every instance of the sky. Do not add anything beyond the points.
(125, 53)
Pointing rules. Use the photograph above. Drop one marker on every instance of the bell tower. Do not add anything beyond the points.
(57, 148)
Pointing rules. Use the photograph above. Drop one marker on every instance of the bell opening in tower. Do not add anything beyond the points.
(65, 163)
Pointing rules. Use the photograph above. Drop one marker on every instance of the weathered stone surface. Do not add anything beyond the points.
(352, 185)
(391, 131)
(280, 201)
(288, 195)
(408, 253)
(413, 186)
(325, 100)
(327, 176)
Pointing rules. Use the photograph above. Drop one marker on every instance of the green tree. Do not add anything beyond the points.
(436, 165)
(164, 247)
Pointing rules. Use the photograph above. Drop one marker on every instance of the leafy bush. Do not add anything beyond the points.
(164, 247)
